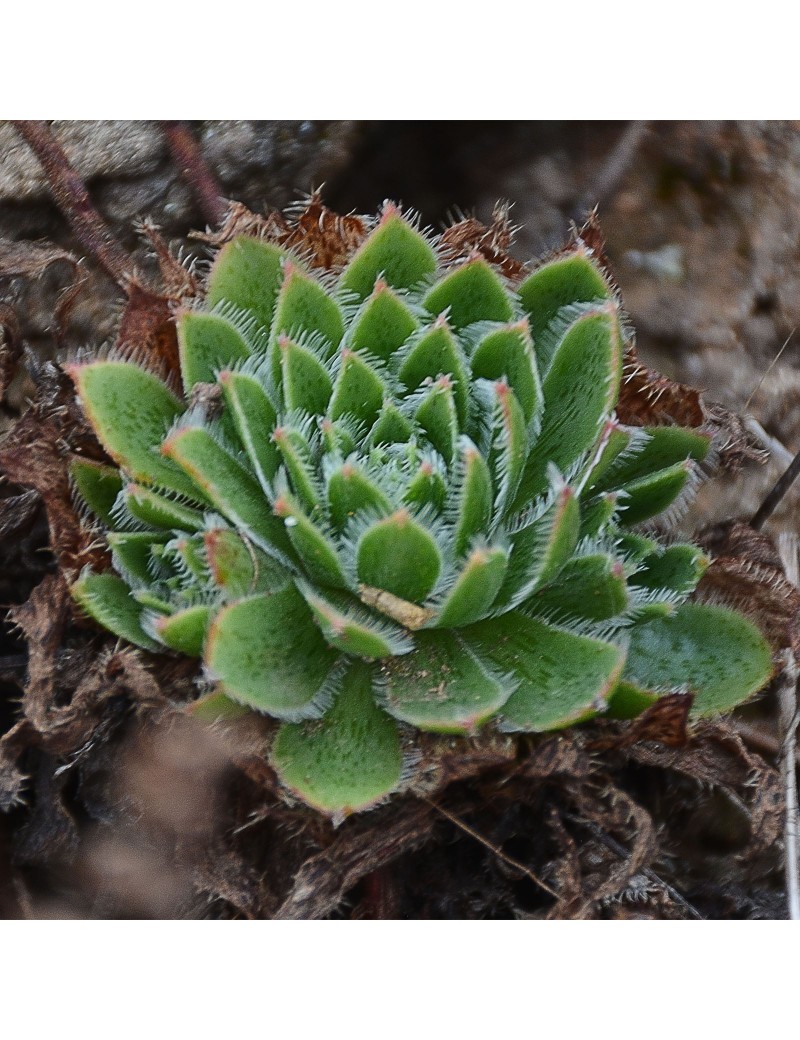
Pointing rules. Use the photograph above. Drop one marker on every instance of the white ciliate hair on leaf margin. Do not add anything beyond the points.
(255, 335)
(550, 339)
(195, 418)
(400, 641)
(677, 510)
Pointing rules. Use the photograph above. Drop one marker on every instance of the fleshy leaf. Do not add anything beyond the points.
(247, 273)
(351, 490)
(254, 418)
(560, 677)
(473, 292)
(678, 568)
(395, 251)
(346, 761)
(306, 384)
(132, 553)
(434, 353)
(591, 587)
(131, 412)
(507, 353)
(442, 686)
(185, 630)
(437, 416)
(472, 499)
(269, 655)
(98, 486)
(352, 628)
(665, 447)
(714, 652)
(397, 554)
(313, 546)
(382, 325)
(359, 390)
(239, 568)
(231, 489)
(650, 495)
(107, 599)
(541, 548)
(565, 280)
(391, 426)
(580, 389)
(475, 589)
(150, 507)
(303, 306)
(207, 343)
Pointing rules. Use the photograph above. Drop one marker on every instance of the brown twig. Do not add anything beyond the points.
(515, 863)
(73, 200)
(773, 499)
(619, 850)
(189, 159)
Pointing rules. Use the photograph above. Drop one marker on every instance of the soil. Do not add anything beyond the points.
(115, 803)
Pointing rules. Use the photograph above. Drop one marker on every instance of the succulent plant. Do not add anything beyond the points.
(394, 497)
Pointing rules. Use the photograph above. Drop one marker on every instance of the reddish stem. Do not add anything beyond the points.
(73, 200)
(189, 159)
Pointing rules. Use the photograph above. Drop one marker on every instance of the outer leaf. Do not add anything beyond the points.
(715, 652)
(131, 412)
(270, 655)
(473, 292)
(567, 279)
(158, 510)
(132, 553)
(98, 486)
(678, 568)
(207, 343)
(247, 273)
(442, 686)
(580, 390)
(395, 251)
(347, 761)
(561, 677)
(665, 447)
(651, 495)
(107, 599)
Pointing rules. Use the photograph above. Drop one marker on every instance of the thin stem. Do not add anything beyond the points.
(73, 200)
(773, 499)
(617, 164)
(189, 159)
(789, 719)
(515, 863)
